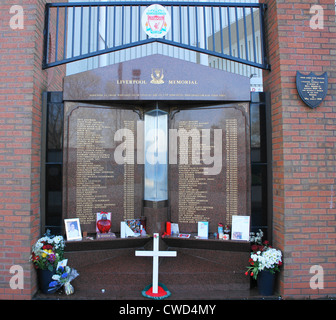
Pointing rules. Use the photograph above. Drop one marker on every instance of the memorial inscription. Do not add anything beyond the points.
(231, 169)
(312, 89)
(90, 170)
(94, 181)
(193, 200)
(196, 196)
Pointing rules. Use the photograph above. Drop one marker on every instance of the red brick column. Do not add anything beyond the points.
(21, 87)
(304, 145)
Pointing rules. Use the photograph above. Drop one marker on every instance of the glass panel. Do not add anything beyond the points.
(258, 133)
(53, 166)
(55, 130)
(156, 155)
(255, 133)
(260, 163)
(53, 196)
(259, 198)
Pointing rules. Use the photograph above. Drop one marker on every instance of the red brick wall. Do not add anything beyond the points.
(21, 87)
(304, 164)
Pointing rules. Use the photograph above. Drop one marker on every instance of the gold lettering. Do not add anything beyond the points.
(131, 82)
(192, 82)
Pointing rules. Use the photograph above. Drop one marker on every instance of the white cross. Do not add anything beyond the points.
(155, 254)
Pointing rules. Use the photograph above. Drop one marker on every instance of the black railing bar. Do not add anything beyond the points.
(114, 25)
(89, 40)
(202, 5)
(180, 8)
(81, 33)
(73, 31)
(57, 26)
(46, 36)
(98, 33)
(253, 36)
(65, 32)
(163, 3)
(188, 17)
(213, 29)
(229, 30)
(204, 27)
(106, 26)
(106, 6)
(131, 20)
(122, 24)
(221, 29)
(245, 33)
(172, 21)
(237, 32)
(196, 21)
(263, 35)
(139, 22)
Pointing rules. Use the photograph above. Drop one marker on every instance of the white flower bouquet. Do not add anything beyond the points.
(264, 257)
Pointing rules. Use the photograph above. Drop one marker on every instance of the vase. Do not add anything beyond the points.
(265, 283)
(44, 278)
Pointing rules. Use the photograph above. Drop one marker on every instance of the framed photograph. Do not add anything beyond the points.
(240, 228)
(203, 229)
(72, 229)
(175, 229)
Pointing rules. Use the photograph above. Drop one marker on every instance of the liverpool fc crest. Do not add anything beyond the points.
(157, 76)
(156, 21)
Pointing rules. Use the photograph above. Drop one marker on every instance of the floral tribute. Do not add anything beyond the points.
(63, 277)
(263, 256)
(47, 252)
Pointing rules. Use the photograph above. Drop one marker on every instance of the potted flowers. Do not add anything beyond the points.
(47, 252)
(264, 261)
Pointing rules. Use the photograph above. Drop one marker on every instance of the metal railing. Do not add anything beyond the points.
(76, 31)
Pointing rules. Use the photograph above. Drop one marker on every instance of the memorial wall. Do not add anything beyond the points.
(208, 132)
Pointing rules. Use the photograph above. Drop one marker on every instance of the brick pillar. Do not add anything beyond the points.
(21, 87)
(303, 141)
